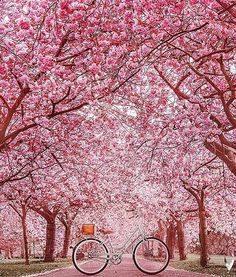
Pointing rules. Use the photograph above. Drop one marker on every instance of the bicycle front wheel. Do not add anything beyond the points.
(151, 255)
(90, 256)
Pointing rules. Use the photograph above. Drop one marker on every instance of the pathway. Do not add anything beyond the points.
(125, 269)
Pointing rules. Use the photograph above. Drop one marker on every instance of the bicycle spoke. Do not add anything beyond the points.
(90, 256)
(151, 256)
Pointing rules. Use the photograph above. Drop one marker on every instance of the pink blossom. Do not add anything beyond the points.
(24, 78)
(94, 68)
(2, 70)
(24, 25)
(73, 27)
(78, 16)
(2, 29)
(46, 64)
(179, 7)
(193, 2)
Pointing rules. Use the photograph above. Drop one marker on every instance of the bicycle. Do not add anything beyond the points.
(150, 255)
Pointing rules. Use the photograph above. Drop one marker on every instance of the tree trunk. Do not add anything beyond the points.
(50, 217)
(170, 240)
(25, 235)
(181, 240)
(50, 240)
(203, 236)
(22, 254)
(199, 195)
(66, 241)
(160, 233)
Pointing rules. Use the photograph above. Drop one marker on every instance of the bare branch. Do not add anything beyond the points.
(204, 164)
(5, 102)
(176, 89)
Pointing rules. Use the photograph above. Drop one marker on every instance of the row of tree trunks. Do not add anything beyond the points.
(176, 228)
(50, 237)
(172, 231)
(50, 217)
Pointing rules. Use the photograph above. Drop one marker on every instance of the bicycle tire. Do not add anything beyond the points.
(153, 259)
(78, 250)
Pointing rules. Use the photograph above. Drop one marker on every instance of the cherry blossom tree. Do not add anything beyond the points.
(72, 53)
(199, 68)
(66, 56)
(105, 104)
(20, 204)
(67, 219)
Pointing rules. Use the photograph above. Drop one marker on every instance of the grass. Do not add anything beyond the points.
(216, 266)
(17, 268)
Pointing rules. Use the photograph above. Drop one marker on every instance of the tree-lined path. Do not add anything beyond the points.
(126, 268)
(106, 105)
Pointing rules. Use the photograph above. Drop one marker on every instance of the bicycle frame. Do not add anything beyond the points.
(149, 254)
(136, 235)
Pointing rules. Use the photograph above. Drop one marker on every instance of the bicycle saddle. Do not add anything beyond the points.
(106, 231)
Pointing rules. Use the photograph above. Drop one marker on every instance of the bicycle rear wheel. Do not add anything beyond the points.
(151, 255)
(90, 256)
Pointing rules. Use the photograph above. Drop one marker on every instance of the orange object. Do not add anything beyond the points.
(88, 229)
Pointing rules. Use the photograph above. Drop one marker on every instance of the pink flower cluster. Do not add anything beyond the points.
(24, 25)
